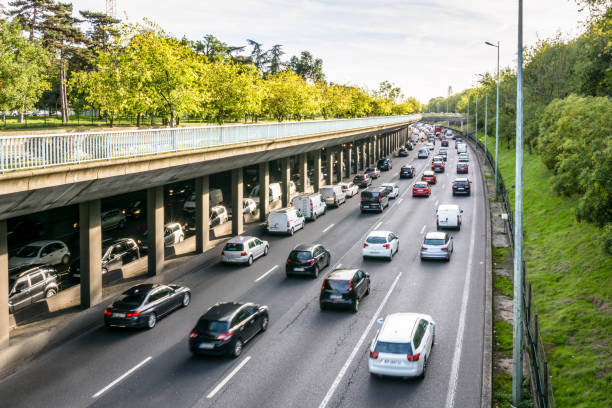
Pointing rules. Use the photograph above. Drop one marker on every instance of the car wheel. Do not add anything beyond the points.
(356, 305)
(237, 350)
(266, 250)
(264, 323)
(250, 261)
(424, 369)
(315, 274)
(367, 292)
(65, 259)
(186, 299)
(314, 216)
(390, 256)
(50, 292)
(151, 321)
(291, 231)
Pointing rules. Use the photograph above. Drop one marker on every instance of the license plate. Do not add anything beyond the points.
(206, 346)
(460, 189)
(118, 314)
(298, 269)
(390, 362)
(335, 296)
(366, 206)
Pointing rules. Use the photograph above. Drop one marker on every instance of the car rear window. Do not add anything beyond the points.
(434, 242)
(300, 256)
(337, 285)
(461, 183)
(376, 240)
(233, 246)
(326, 191)
(393, 348)
(205, 325)
(370, 195)
(130, 299)
(420, 185)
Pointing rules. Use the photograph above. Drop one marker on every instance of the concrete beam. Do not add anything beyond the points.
(4, 286)
(317, 169)
(285, 177)
(303, 169)
(202, 213)
(90, 241)
(237, 195)
(264, 190)
(155, 228)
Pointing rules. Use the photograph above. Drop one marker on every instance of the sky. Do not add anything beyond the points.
(421, 46)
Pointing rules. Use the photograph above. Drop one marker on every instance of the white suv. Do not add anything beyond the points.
(402, 346)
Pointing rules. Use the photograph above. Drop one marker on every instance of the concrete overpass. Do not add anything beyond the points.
(50, 171)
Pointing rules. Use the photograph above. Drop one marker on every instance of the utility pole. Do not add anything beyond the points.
(517, 337)
(468, 117)
(476, 116)
(486, 108)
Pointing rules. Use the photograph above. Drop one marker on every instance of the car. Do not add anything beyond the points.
(429, 176)
(249, 206)
(463, 157)
(117, 254)
(310, 206)
(462, 168)
(285, 220)
(307, 259)
(136, 210)
(333, 195)
(362, 180)
(461, 186)
(407, 171)
(392, 189)
(430, 146)
(443, 152)
(218, 215)
(423, 154)
(444, 143)
(40, 253)
(143, 305)
(421, 189)
(384, 165)
(349, 188)
(437, 158)
(344, 288)
(437, 245)
(226, 327)
(461, 148)
(448, 216)
(30, 283)
(244, 249)
(373, 173)
(402, 153)
(21, 231)
(112, 219)
(409, 146)
(173, 233)
(374, 199)
(402, 345)
(380, 244)
(438, 166)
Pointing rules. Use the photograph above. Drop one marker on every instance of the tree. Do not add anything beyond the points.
(31, 14)
(276, 64)
(308, 67)
(258, 55)
(103, 30)
(288, 96)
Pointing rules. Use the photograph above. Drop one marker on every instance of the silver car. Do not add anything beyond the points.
(244, 249)
(113, 219)
(437, 245)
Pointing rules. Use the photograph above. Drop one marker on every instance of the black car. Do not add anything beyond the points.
(143, 305)
(30, 283)
(374, 199)
(226, 327)
(307, 259)
(117, 254)
(344, 288)
(384, 165)
(444, 143)
(136, 210)
(407, 171)
(402, 153)
(409, 146)
(461, 186)
(362, 180)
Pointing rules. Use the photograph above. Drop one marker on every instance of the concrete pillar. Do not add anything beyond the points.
(202, 213)
(348, 160)
(90, 241)
(264, 190)
(317, 170)
(330, 167)
(363, 155)
(237, 196)
(340, 163)
(155, 228)
(377, 148)
(4, 289)
(357, 156)
(303, 172)
(285, 177)
(372, 152)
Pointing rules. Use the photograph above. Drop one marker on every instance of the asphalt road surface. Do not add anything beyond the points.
(307, 357)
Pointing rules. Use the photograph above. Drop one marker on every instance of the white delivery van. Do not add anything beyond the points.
(310, 206)
(333, 195)
(275, 191)
(461, 148)
(285, 221)
(448, 216)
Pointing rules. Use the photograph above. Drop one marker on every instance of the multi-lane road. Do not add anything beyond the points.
(307, 357)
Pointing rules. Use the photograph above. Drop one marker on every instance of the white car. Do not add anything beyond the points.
(392, 188)
(430, 146)
(402, 346)
(350, 188)
(41, 252)
(173, 233)
(244, 250)
(380, 244)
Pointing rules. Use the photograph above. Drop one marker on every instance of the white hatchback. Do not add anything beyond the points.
(392, 188)
(380, 244)
(402, 346)
(350, 188)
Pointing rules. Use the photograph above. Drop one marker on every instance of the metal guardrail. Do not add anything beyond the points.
(39, 151)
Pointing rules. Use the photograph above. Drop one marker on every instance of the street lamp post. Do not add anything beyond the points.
(486, 108)
(496, 115)
(476, 121)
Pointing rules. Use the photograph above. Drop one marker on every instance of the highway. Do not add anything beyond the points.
(307, 357)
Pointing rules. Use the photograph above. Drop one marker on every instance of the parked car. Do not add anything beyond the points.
(344, 288)
(372, 172)
(226, 327)
(114, 256)
(284, 220)
(310, 206)
(423, 154)
(40, 253)
(362, 180)
(173, 233)
(30, 283)
(333, 195)
(429, 176)
(349, 188)
(374, 199)
(136, 210)
(384, 165)
(448, 216)
(461, 186)
(380, 244)
(249, 206)
(402, 345)
(462, 168)
(392, 189)
(407, 171)
(437, 245)
(112, 219)
(307, 259)
(244, 249)
(421, 188)
(218, 215)
(143, 305)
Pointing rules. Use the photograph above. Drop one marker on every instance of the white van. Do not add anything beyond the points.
(275, 191)
(284, 220)
(461, 148)
(448, 216)
(309, 206)
(333, 195)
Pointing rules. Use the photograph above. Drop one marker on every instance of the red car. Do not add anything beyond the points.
(462, 168)
(429, 176)
(421, 189)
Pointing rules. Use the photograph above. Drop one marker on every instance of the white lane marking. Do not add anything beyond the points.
(351, 357)
(130, 371)
(378, 225)
(436, 204)
(266, 274)
(338, 266)
(328, 228)
(399, 200)
(423, 229)
(229, 377)
(452, 383)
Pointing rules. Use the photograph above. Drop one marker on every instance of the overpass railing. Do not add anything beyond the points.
(39, 151)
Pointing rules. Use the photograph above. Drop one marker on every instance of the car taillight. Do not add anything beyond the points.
(379, 198)
(310, 261)
(414, 357)
(350, 286)
(225, 337)
(243, 253)
(135, 314)
(360, 198)
(454, 187)
(288, 260)
(323, 285)
(445, 249)
(288, 224)
(310, 206)
(365, 245)
(387, 246)
(374, 354)
(437, 219)
(107, 312)
(423, 248)
(193, 335)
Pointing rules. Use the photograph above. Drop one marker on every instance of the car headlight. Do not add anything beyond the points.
(137, 212)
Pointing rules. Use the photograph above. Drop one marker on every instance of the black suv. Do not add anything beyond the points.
(307, 259)
(461, 186)
(28, 284)
(117, 254)
(344, 288)
(384, 165)
(374, 199)
(407, 171)
(362, 180)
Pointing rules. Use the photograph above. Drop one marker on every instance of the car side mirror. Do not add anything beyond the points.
(380, 321)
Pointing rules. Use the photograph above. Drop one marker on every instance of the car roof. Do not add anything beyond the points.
(379, 233)
(222, 310)
(376, 189)
(407, 165)
(398, 327)
(282, 210)
(23, 270)
(342, 274)
(305, 247)
(238, 239)
(435, 235)
(428, 173)
(43, 242)
(143, 287)
(462, 179)
(218, 207)
(443, 207)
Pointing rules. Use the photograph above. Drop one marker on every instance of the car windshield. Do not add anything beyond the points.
(205, 325)
(431, 241)
(233, 246)
(337, 285)
(130, 299)
(301, 256)
(376, 240)
(28, 251)
(393, 348)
